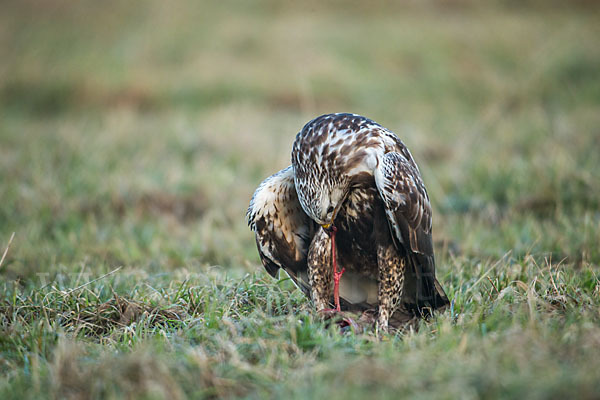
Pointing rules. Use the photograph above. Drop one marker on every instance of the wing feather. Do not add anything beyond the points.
(408, 211)
(406, 201)
(283, 230)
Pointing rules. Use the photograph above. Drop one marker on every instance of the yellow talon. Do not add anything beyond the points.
(326, 226)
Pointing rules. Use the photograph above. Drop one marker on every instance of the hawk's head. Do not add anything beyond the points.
(321, 200)
(326, 154)
(329, 201)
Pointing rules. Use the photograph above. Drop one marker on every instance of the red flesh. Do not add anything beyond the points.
(336, 275)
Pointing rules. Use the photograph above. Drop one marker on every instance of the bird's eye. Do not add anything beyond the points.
(329, 209)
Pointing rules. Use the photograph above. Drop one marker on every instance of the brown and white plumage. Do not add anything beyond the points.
(349, 172)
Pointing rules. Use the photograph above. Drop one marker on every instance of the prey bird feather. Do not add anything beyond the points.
(353, 197)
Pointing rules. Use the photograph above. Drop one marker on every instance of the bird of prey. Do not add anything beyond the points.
(350, 221)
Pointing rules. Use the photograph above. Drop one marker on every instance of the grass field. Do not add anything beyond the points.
(132, 136)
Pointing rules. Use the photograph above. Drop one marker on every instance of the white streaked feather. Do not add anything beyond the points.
(273, 200)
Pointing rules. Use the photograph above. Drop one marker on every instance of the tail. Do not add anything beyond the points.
(423, 293)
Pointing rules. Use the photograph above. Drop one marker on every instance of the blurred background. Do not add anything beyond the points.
(135, 133)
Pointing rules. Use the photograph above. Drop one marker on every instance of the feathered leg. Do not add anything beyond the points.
(320, 274)
(391, 282)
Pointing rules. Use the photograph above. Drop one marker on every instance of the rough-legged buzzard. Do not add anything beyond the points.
(353, 196)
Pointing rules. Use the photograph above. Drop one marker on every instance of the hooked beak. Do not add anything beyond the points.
(329, 228)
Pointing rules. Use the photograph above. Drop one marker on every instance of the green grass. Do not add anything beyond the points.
(131, 140)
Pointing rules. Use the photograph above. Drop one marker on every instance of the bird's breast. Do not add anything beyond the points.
(355, 238)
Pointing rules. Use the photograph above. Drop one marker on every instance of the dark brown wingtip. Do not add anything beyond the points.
(441, 299)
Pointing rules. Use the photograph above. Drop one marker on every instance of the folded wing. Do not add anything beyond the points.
(283, 230)
(408, 212)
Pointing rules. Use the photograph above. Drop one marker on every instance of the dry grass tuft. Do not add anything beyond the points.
(77, 315)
